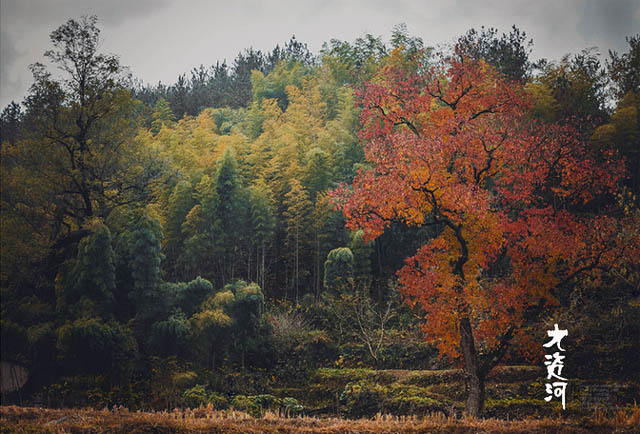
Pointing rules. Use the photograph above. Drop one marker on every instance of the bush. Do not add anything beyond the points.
(291, 406)
(89, 345)
(403, 399)
(244, 403)
(256, 405)
(298, 349)
(288, 326)
(93, 391)
(197, 396)
(363, 399)
(218, 402)
(184, 379)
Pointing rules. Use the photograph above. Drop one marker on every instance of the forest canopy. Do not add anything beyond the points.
(379, 203)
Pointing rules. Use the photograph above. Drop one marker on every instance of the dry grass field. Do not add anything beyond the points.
(205, 420)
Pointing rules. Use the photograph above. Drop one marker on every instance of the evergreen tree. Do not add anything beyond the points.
(211, 326)
(161, 116)
(317, 172)
(231, 214)
(144, 261)
(362, 252)
(180, 203)
(338, 270)
(170, 337)
(89, 288)
(247, 310)
(10, 122)
(193, 294)
(296, 214)
(263, 224)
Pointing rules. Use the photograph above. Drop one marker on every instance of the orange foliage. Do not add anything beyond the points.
(513, 199)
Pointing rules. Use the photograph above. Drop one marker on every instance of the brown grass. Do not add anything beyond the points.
(205, 420)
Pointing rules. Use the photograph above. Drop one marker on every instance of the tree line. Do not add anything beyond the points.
(144, 222)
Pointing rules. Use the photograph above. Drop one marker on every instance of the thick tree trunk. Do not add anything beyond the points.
(473, 372)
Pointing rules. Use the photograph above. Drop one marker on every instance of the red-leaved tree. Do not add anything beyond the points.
(517, 204)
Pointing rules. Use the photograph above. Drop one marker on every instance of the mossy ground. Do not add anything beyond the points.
(511, 392)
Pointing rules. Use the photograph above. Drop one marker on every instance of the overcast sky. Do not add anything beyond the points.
(159, 39)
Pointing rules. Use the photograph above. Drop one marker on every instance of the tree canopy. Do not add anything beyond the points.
(512, 200)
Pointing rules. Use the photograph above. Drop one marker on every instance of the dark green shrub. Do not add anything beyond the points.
(246, 403)
(257, 404)
(195, 396)
(363, 399)
(218, 402)
(291, 406)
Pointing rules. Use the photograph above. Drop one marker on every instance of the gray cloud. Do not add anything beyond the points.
(52, 13)
(11, 87)
(602, 22)
(160, 39)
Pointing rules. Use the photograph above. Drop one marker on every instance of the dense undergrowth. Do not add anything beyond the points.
(512, 393)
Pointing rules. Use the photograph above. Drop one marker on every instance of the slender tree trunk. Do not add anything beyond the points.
(249, 255)
(244, 348)
(315, 267)
(380, 273)
(233, 262)
(262, 284)
(213, 358)
(473, 373)
(222, 269)
(297, 247)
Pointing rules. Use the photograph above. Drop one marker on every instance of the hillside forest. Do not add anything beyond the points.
(258, 231)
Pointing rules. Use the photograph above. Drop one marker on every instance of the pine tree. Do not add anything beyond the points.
(162, 116)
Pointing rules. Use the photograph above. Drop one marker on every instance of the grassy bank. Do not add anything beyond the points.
(33, 420)
(513, 392)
